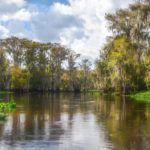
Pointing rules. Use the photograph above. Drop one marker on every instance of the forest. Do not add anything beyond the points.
(123, 64)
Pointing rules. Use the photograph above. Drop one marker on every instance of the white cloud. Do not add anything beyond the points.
(18, 3)
(50, 25)
(92, 14)
(14, 14)
(11, 6)
(14, 10)
(16, 28)
(22, 14)
(3, 32)
(80, 24)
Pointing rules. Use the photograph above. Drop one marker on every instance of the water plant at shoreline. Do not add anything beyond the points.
(5, 92)
(6, 108)
(141, 96)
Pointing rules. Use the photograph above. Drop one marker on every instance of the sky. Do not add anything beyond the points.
(78, 24)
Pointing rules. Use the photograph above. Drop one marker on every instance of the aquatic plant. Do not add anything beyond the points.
(141, 96)
(6, 108)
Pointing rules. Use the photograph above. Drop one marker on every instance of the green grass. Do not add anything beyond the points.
(94, 92)
(5, 92)
(141, 96)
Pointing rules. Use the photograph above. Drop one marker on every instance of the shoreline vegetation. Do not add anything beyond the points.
(138, 95)
(6, 108)
(143, 96)
(5, 92)
(123, 65)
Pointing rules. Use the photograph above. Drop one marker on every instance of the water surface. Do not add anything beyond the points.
(75, 122)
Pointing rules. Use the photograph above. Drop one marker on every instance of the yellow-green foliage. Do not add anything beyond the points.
(141, 96)
(120, 58)
(94, 93)
(147, 66)
(19, 78)
(6, 108)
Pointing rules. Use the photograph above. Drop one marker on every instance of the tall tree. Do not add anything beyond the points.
(4, 71)
(72, 56)
(85, 71)
(57, 55)
(14, 48)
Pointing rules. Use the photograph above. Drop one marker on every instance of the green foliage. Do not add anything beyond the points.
(4, 92)
(147, 73)
(6, 108)
(19, 78)
(94, 93)
(123, 66)
(4, 73)
(141, 96)
(125, 59)
(120, 61)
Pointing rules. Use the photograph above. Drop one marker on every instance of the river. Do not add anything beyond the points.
(76, 122)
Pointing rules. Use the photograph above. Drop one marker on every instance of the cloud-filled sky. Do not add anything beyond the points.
(78, 24)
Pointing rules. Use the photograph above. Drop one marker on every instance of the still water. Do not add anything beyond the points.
(76, 122)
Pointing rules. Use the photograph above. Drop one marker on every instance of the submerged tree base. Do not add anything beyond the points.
(141, 96)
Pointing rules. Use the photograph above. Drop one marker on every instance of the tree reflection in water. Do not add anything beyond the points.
(76, 121)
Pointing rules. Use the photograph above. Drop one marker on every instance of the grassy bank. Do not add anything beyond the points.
(141, 96)
(94, 92)
(5, 92)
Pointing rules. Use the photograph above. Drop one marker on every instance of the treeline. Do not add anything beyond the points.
(123, 65)
(28, 65)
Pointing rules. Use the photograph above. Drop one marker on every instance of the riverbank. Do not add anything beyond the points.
(93, 92)
(141, 96)
(5, 92)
